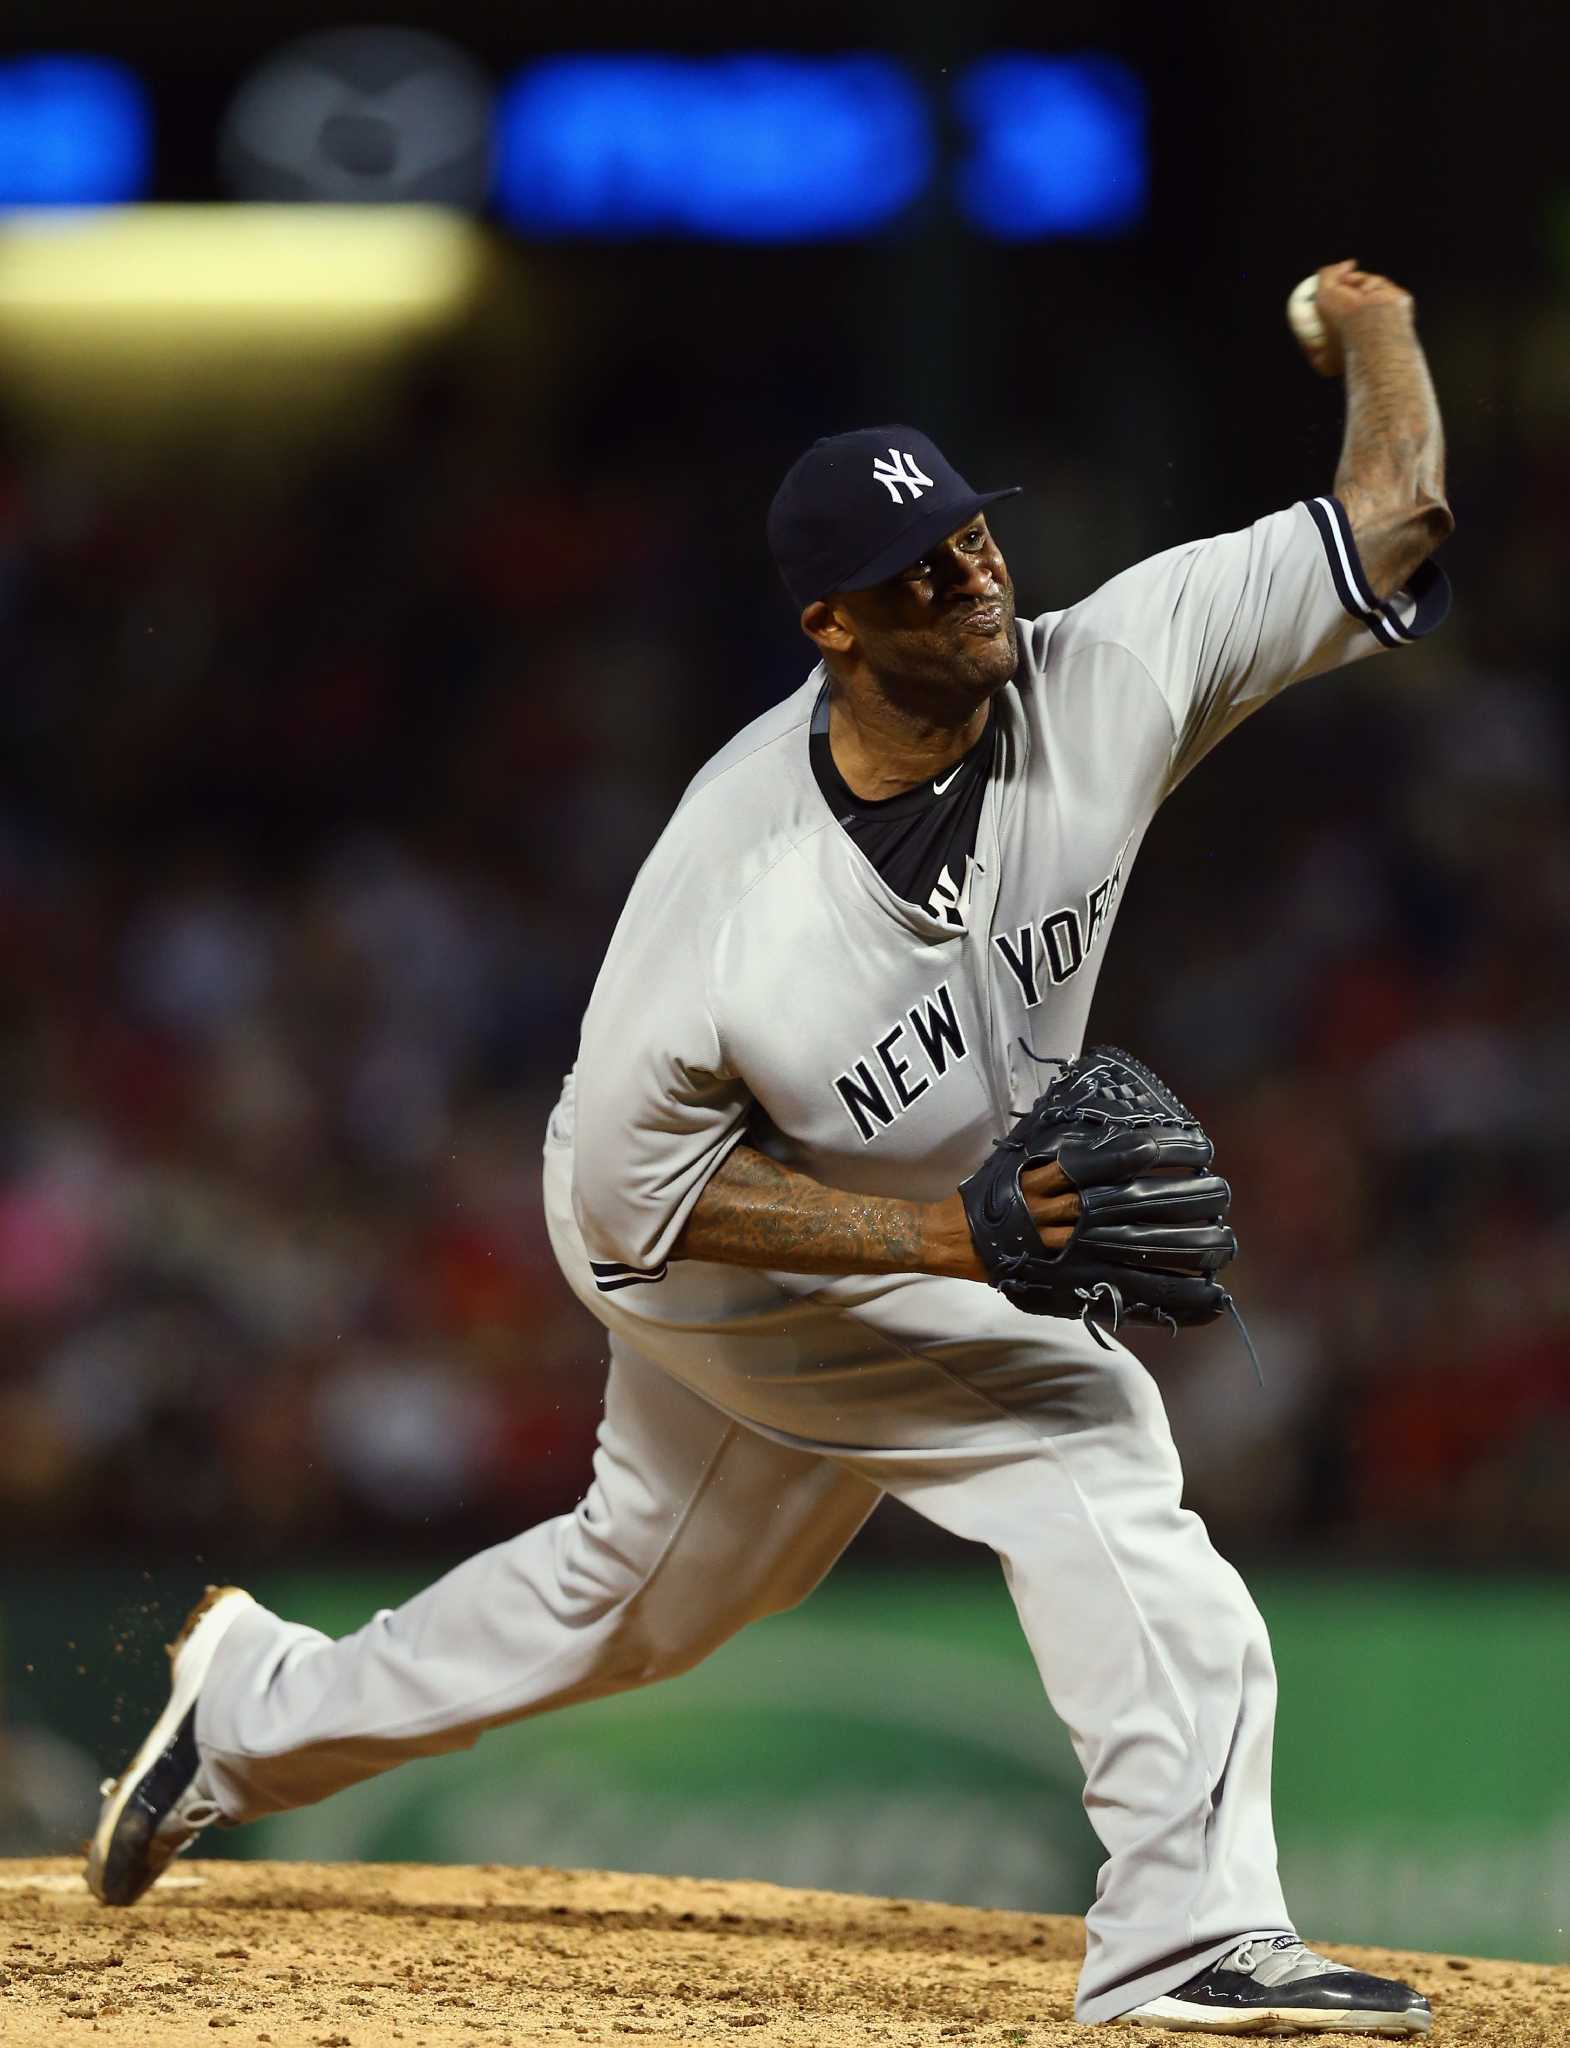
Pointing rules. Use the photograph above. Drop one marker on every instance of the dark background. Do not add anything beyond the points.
(326, 758)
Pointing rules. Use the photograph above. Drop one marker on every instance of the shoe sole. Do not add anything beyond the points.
(1179, 2017)
(190, 1656)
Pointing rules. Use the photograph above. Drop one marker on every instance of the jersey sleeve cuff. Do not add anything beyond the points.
(610, 1275)
(1393, 621)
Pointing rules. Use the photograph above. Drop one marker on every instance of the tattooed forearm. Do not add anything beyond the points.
(1391, 477)
(755, 1212)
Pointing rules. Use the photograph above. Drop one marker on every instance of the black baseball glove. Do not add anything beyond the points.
(1152, 1231)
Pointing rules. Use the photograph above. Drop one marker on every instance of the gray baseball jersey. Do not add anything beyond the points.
(763, 978)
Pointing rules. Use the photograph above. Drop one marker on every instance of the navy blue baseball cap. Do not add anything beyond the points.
(859, 507)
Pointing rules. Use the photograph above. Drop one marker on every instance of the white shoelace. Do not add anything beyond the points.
(1274, 1959)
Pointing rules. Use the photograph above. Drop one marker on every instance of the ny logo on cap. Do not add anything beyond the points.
(902, 470)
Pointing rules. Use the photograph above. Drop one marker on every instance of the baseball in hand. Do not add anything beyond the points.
(1312, 335)
(1303, 313)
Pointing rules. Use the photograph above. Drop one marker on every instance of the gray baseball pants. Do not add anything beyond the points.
(747, 1435)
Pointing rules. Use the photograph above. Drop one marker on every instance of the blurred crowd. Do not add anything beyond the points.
(319, 796)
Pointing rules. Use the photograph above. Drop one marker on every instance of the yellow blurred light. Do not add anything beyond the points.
(245, 326)
(266, 270)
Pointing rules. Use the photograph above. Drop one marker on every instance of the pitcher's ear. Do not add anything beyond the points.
(825, 627)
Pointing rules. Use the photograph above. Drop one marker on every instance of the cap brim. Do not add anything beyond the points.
(934, 525)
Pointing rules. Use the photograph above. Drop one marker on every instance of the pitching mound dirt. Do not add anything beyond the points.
(306, 1955)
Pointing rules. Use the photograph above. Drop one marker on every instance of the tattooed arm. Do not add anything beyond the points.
(1391, 477)
(755, 1212)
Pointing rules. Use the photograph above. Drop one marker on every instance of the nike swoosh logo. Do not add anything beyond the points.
(939, 787)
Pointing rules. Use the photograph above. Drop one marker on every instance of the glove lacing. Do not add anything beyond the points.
(1242, 1330)
(1091, 1297)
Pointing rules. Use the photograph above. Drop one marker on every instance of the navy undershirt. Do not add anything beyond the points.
(920, 840)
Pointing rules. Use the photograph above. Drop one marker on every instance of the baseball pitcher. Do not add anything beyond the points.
(874, 915)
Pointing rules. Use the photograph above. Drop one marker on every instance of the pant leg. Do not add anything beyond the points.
(1022, 1433)
(693, 1526)
(1148, 1644)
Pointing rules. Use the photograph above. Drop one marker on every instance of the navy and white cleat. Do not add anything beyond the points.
(158, 1805)
(1272, 1984)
